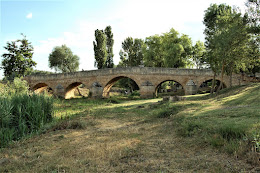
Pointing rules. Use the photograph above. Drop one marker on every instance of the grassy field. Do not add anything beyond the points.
(200, 134)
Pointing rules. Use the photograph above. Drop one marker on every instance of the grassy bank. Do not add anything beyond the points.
(229, 121)
(200, 134)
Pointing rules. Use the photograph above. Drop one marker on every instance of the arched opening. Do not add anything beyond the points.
(42, 88)
(207, 85)
(121, 86)
(76, 90)
(169, 88)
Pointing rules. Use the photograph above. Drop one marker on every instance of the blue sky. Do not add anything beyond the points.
(50, 23)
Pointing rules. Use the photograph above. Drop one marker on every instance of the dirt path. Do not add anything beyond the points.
(116, 145)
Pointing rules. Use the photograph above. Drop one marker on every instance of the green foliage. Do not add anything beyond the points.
(127, 83)
(100, 49)
(109, 45)
(167, 50)
(256, 141)
(23, 114)
(153, 51)
(177, 50)
(18, 61)
(253, 13)
(227, 39)
(135, 93)
(131, 55)
(231, 132)
(62, 59)
(198, 54)
(18, 86)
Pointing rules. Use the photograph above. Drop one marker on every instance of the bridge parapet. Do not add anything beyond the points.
(129, 70)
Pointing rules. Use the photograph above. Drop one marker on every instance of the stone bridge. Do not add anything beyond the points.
(148, 79)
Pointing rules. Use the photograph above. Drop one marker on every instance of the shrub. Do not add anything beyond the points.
(17, 86)
(188, 128)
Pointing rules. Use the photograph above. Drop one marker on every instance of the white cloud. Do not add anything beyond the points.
(29, 16)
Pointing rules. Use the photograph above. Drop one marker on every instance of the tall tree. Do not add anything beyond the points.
(226, 38)
(109, 45)
(132, 54)
(18, 61)
(100, 50)
(62, 59)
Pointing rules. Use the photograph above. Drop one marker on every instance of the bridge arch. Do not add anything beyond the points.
(178, 86)
(206, 85)
(42, 87)
(74, 87)
(112, 81)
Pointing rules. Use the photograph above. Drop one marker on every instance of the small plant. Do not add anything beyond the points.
(165, 114)
(189, 128)
(256, 142)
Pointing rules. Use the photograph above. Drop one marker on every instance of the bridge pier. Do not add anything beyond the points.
(96, 91)
(59, 91)
(147, 90)
(191, 88)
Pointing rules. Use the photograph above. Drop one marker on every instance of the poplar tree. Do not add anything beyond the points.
(109, 47)
(100, 49)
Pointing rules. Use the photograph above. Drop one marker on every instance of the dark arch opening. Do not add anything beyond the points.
(42, 88)
(169, 88)
(121, 85)
(206, 86)
(76, 90)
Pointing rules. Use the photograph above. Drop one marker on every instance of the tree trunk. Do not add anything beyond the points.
(221, 80)
(230, 79)
(213, 84)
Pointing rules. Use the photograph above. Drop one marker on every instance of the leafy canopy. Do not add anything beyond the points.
(62, 59)
(18, 61)
(131, 53)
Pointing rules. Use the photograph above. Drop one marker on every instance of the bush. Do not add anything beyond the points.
(17, 86)
(135, 93)
(23, 114)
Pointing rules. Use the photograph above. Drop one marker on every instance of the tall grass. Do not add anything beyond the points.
(22, 113)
